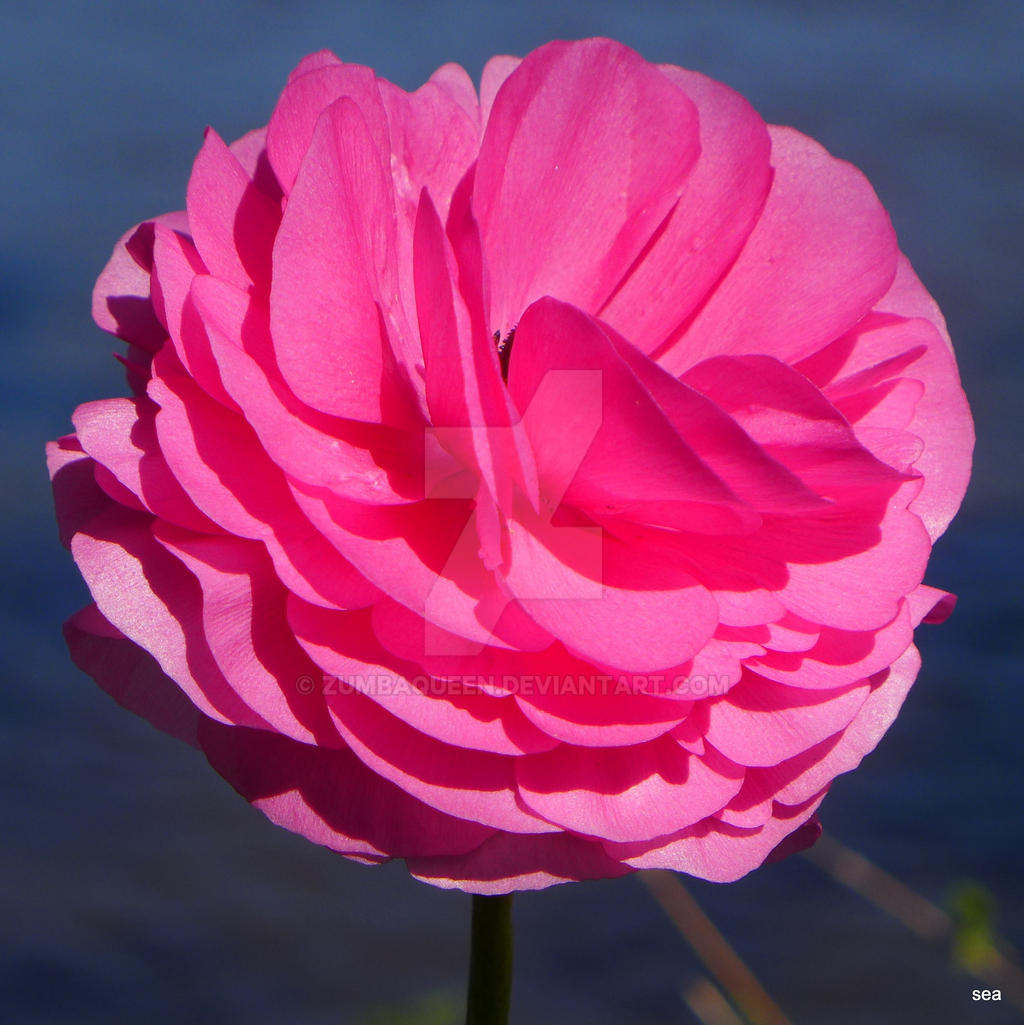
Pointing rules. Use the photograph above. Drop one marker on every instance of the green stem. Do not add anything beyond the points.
(490, 961)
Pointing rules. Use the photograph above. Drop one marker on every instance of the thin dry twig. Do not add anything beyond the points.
(706, 1003)
(713, 950)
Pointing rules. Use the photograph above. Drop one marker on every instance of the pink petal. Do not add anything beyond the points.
(858, 590)
(434, 138)
(763, 723)
(508, 862)
(176, 261)
(464, 389)
(793, 423)
(586, 150)
(799, 840)
(473, 785)
(342, 644)
(130, 675)
(334, 261)
(120, 434)
(791, 634)
(941, 417)
(366, 462)
(233, 222)
(595, 709)
(121, 301)
(718, 852)
(250, 150)
(176, 266)
(724, 196)
(794, 780)
(515, 646)
(717, 667)
(312, 88)
(599, 438)
(604, 604)
(154, 601)
(424, 555)
(930, 605)
(244, 624)
(626, 794)
(496, 71)
(76, 495)
(331, 798)
(821, 255)
(220, 464)
(313, 61)
(725, 448)
(839, 657)
(454, 81)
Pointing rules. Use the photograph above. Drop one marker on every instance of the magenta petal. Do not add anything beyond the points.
(719, 852)
(342, 644)
(468, 403)
(794, 780)
(330, 797)
(888, 692)
(930, 605)
(474, 785)
(580, 587)
(839, 657)
(434, 137)
(220, 464)
(121, 301)
(625, 458)
(311, 89)
(496, 71)
(723, 198)
(454, 81)
(737, 460)
(202, 443)
(859, 590)
(822, 253)
(599, 709)
(763, 723)
(942, 419)
(130, 675)
(515, 640)
(508, 862)
(153, 600)
(793, 422)
(232, 221)
(585, 151)
(626, 794)
(334, 260)
(120, 435)
(367, 462)
(245, 627)
(424, 555)
(799, 840)
(76, 495)
(176, 261)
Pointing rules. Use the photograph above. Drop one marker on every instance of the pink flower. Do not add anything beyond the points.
(534, 486)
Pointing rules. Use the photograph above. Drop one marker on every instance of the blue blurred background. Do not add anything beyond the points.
(136, 887)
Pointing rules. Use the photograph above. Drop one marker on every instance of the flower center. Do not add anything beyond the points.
(504, 346)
